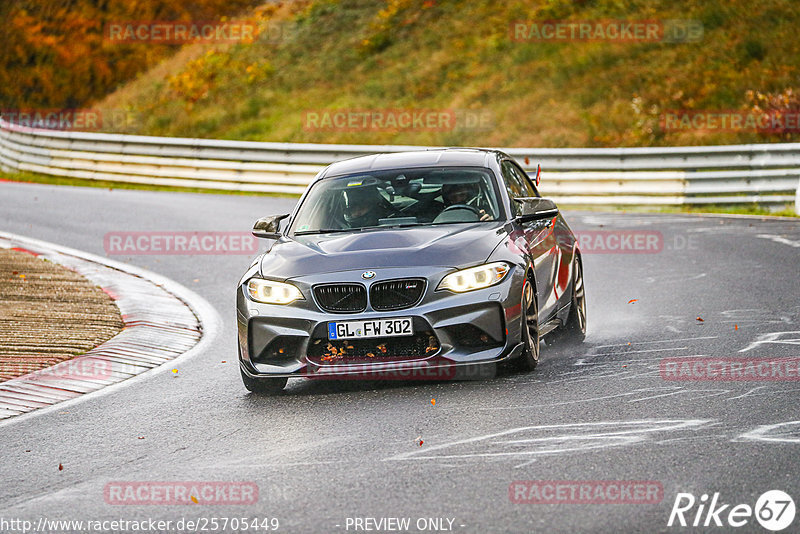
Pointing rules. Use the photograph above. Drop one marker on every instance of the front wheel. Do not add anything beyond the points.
(265, 386)
(530, 329)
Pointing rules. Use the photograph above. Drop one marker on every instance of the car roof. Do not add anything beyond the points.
(440, 157)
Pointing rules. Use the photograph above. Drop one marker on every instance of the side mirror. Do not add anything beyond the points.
(269, 227)
(535, 209)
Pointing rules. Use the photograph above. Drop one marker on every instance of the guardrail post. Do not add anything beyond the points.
(797, 199)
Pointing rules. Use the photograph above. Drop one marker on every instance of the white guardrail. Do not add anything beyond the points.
(735, 174)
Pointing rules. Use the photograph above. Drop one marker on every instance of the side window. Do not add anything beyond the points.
(514, 186)
(527, 184)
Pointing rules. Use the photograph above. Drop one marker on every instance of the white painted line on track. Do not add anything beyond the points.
(570, 437)
(788, 432)
(656, 341)
(779, 239)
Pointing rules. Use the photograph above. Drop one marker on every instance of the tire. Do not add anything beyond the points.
(264, 386)
(574, 330)
(529, 335)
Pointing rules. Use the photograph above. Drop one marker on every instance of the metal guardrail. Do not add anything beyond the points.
(734, 174)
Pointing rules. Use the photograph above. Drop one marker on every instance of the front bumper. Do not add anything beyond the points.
(474, 331)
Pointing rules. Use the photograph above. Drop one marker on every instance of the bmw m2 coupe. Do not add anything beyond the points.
(430, 262)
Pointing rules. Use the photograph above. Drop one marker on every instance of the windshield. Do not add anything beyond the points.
(400, 197)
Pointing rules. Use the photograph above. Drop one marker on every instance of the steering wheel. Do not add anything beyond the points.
(474, 210)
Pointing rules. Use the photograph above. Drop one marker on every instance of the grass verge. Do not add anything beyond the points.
(35, 178)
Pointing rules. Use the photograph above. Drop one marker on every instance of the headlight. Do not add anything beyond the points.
(475, 277)
(271, 292)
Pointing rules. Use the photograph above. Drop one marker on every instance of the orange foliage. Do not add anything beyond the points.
(53, 53)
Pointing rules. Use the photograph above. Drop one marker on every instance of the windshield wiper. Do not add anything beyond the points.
(361, 229)
(328, 231)
(398, 225)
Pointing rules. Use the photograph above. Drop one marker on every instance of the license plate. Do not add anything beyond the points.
(371, 329)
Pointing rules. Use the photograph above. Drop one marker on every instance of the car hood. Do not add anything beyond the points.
(449, 245)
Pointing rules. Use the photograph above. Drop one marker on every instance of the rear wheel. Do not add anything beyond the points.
(530, 329)
(574, 330)
(265, 386)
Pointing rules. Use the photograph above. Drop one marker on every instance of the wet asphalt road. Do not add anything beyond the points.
(325, 454)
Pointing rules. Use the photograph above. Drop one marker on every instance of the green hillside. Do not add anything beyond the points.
(458, 60)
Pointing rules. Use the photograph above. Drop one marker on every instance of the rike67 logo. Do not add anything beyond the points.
(774, 510)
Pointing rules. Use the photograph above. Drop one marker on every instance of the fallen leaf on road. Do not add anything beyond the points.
(700, 319)
(736, 327)
(632, 301)
(433, 401)
(194, 499)
(60, 467)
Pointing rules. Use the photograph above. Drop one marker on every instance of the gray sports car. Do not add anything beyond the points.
(427, 264)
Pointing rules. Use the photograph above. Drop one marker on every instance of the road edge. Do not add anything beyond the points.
(207, 318)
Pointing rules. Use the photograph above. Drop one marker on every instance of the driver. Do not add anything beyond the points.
(363, 207)
(461, 194)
